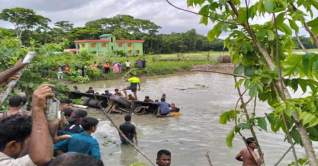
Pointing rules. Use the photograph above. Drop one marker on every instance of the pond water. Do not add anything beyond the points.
(202, 98)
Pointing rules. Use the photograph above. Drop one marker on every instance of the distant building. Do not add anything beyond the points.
(108, 44)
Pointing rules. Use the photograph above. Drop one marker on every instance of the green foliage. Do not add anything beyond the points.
(301, 162)
(253, 50)
(229, 138)
(93, 73)
(228, 116)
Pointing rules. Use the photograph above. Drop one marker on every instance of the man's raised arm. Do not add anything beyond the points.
(41, 142)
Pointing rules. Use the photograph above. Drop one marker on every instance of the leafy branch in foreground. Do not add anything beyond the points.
(263, 52)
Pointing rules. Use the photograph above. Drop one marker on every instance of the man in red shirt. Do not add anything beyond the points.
(107, 68)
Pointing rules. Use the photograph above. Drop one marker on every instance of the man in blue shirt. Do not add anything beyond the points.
(164, 108)
(82, 142)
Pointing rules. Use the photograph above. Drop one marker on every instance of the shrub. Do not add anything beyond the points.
(224, 59)
(93, 73)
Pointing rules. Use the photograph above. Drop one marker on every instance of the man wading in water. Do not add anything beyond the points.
(134, 81)
(247, 155)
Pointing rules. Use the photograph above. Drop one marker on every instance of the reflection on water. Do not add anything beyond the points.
(202, 98)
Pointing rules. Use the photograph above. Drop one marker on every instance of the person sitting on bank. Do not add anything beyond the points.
(90, 90)
(74, 122)
(148, 100)
(15, 103)
(247, 155)
(117, 92)
(64, 104)
(163, 108)
(134, 81)
(82, 142)
(75, 159)
(129, 131)
(163, 158)
(19, 132)
(130, 98)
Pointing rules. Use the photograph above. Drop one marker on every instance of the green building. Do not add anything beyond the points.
(108, 44)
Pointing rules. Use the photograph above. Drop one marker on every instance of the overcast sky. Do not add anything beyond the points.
(81, 11)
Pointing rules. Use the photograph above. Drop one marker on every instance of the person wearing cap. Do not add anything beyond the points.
(247, 155)
(74, 122)
(64, 104)
(67, 112)
(134, 81)
(82, 142)
(129, 131)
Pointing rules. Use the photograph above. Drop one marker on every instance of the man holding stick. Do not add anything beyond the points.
(26, 141)
(247, 155)
(8, 75)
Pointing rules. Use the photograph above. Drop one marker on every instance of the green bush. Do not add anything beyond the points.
(93, 73)
(78, 79)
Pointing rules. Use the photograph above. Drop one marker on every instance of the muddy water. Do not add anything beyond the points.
(202, 98)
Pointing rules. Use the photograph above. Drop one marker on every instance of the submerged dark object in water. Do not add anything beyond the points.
(95, 103)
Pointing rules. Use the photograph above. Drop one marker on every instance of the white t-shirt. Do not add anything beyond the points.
(127, 64)
(8, 161)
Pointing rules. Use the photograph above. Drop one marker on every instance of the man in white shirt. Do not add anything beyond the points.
(128, 65)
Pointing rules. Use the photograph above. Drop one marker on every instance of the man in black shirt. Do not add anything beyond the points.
(129, 130)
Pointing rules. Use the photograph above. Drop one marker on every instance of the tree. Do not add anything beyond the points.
(66, 26)
(23, 19)
(259, 52)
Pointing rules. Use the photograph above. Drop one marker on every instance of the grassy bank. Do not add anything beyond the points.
(156, 68)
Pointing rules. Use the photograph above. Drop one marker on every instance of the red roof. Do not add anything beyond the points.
(90, 41)
(130, 41)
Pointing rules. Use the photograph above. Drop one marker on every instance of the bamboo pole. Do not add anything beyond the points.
(123, 135)
(6, 91)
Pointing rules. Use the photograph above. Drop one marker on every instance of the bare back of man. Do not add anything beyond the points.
(247, 158)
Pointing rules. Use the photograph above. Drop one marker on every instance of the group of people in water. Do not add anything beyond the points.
(29, 139)
(165, 109)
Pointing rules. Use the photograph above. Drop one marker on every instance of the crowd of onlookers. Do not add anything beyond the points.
(116, 67)
(29, 139)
